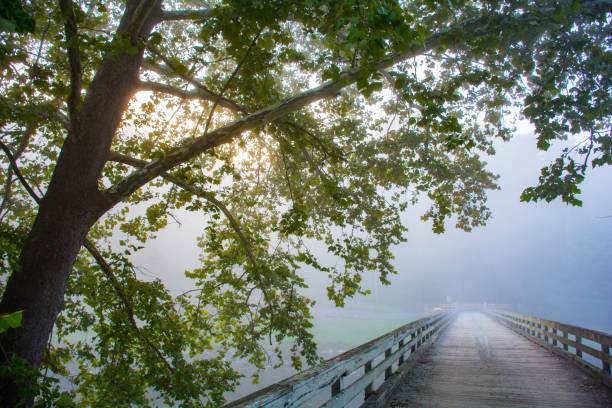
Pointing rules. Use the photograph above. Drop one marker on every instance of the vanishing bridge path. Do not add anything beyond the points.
(468, 359)
(477, 362)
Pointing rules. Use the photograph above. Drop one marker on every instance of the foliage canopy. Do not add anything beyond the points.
(282, 123)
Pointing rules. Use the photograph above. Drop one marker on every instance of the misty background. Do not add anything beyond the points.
(548, 260)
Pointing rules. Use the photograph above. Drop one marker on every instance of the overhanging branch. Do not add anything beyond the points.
(256, 119)
(198, 93)
(210, 197)
(204, 93)
(473, 28)
(174, 15)
(127, 304)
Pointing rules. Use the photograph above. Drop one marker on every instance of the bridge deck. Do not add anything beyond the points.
(478, 362)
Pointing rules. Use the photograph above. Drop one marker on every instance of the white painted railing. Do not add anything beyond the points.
(560, 337)
(327, 385)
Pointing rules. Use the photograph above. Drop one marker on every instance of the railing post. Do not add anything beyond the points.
(554, 339)
(604, 364)
(528, 323)
(368, 389)
(401, 358)
(388, 370)
(413, 347)
(579, 341)
(537, 332)
(546, 335)
(565, 336)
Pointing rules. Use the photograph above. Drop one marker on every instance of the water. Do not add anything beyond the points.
(335, 331)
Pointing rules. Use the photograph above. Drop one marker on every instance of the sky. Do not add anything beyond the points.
(546, 259)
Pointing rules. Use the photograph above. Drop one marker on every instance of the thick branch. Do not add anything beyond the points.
(74, 58)
(256, 119)
(473, 28)
(174, 15)
(140, 16)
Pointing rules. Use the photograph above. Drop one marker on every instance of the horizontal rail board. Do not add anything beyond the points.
(304, 386)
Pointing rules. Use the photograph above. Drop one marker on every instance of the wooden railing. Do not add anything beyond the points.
(560, 336)
(327, 385)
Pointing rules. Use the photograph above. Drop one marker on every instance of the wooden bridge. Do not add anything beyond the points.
(467, 359)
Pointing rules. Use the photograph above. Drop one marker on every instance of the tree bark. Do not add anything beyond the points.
(72, 203)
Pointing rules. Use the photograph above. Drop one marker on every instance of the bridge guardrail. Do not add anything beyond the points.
(329, 376)
(557, 335)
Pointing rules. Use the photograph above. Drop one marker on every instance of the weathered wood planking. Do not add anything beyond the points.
(477, 362)
(548, 332)
(301, 388)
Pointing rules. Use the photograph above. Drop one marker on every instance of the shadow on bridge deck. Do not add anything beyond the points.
(477, 362)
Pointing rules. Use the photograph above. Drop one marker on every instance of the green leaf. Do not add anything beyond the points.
(10, 320)
(14, 18)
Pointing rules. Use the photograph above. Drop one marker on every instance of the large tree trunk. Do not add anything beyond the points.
(71, 205)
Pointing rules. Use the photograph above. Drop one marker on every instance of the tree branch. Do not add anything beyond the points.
(227, 83)
(225, 134)
(203, 91)
(23, 181)
(23, 143)
(46, 110)
(174, 15)
(74, 58)
(140, 15)
(127, 304)
(104, 266)
(198, 93)
(210, 197)
(192, 148)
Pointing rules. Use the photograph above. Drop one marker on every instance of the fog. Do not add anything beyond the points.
(546, 259)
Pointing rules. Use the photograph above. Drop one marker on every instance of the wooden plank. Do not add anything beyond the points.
(479, 363)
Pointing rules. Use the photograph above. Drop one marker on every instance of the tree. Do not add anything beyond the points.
(159, 106)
